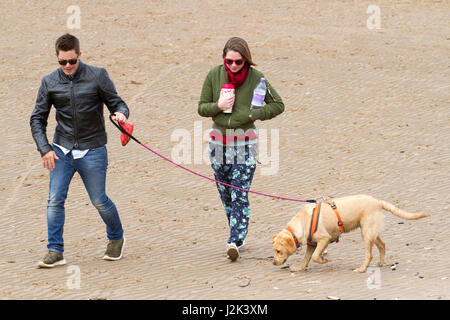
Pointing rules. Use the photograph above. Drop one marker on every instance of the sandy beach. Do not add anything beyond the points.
(367, 112)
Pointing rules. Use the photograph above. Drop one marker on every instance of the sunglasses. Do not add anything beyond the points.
(238, 61)
(71, 61)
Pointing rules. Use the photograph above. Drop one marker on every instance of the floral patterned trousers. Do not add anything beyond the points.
(235, 166)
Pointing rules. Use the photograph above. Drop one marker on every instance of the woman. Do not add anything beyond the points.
(233, 137)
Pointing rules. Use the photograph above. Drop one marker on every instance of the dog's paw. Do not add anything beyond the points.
(321, 261)
(360, 270)
(297, 269)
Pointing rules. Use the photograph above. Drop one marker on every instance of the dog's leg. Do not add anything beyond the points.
(382, 249)
(317, 255)
(368, 242)
(306, 259)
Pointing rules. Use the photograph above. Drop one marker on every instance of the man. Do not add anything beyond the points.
(78, 92)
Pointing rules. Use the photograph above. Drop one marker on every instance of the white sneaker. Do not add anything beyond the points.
(232, 251)
(242, 246)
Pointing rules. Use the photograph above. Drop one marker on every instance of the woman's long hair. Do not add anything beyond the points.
(239, 45)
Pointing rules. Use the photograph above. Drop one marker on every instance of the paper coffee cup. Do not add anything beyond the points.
(227, 91)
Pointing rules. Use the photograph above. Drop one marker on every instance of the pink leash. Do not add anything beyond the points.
(118, 126)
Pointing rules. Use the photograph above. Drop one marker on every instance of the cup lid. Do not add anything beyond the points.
(227, 86)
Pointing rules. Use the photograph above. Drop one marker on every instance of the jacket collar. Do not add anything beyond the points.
(75, 76)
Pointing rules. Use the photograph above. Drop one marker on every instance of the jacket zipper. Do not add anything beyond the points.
(229, 119)
(270, 94)
(74, 114)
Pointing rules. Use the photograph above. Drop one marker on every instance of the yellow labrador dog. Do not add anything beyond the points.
(356, 211)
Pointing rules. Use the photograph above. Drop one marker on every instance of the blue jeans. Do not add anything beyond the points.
(92, 169)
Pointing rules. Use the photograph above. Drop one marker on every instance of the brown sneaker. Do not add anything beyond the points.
(51, 260)
(114, 250)
(232, 252)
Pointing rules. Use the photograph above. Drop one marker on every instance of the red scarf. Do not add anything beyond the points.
(238, 78)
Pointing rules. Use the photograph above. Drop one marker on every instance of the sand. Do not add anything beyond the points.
(367, 111)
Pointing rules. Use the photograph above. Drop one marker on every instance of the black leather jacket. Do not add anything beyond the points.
(78, 101)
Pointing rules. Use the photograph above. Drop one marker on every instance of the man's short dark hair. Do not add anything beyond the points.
(67, 42)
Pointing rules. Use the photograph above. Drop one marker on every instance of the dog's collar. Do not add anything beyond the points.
(297, 243)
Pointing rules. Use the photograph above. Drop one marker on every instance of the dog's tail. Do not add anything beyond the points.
(402, 213)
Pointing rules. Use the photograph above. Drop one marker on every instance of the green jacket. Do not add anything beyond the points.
(240, 118)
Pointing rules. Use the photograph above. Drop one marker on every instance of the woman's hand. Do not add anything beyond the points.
(225, 102)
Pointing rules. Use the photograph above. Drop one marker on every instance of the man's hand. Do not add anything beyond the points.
(48, 160)
(119, 117)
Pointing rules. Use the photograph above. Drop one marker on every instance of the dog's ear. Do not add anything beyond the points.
(273, 238)
(291, 243)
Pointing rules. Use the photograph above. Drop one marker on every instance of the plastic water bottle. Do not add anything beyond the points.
(259, 94)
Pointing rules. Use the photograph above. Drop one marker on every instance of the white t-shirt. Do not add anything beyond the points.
(76, 153)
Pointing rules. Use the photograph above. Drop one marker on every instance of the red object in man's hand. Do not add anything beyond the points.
(128, 126)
